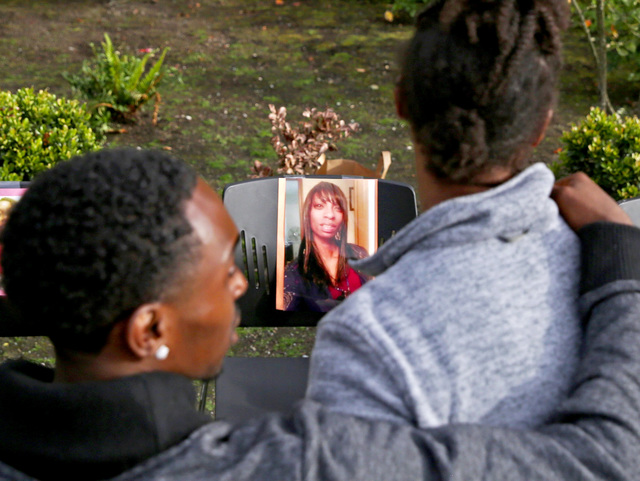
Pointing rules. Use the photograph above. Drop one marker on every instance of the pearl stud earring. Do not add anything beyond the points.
(162, 352)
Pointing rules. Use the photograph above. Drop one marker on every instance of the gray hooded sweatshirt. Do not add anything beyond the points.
(472, 316)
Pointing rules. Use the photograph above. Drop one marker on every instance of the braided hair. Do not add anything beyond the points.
(478, 80)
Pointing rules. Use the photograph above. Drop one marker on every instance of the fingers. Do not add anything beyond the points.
(573, 179)
(581, 201)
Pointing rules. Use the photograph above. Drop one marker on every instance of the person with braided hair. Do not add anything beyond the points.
(473, 314)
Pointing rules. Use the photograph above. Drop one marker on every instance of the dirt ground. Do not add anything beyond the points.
(229, 60)
(232, 58)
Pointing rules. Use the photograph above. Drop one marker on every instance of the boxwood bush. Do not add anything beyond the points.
(605, 148)
(38, 130)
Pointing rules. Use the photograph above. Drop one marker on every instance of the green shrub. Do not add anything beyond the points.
(115, 84)
(407, 9)
(606, 149)
(38, 130)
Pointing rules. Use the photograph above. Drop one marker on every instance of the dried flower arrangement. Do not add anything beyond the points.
(299, 148)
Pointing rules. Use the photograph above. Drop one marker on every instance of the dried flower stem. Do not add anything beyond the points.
(299, 148)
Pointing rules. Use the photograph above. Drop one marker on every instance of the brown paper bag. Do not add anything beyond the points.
(351, 167)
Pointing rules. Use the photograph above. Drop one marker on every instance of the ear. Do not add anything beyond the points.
(147, 329)
(543, 128)
(401, 100)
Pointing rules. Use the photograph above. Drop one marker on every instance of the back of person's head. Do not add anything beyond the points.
(94, 238)
(478, 82)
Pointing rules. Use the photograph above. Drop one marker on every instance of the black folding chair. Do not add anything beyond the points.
(250, 386)
(632, 208)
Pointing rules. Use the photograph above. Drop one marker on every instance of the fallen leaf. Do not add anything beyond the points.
(388, 16)
(279, 2)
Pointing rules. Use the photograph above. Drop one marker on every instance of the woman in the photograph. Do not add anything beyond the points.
(321, 277)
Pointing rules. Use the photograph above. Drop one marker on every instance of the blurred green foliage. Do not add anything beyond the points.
(38, 130)
(605, 148)
(408, 9)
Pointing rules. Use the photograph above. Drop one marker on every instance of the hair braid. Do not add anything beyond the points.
(451, 10)
(515, 46)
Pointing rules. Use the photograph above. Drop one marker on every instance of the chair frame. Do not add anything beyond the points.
(632, 208)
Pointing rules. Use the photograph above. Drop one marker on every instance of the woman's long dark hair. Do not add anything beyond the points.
(310, 264)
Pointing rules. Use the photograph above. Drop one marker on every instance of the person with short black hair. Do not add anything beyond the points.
(83, 285)
(123, 404)
(473, 314)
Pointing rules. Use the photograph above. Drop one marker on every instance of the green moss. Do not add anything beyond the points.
(274, 342)
(244, 71)
(340, 57)
(303, 82)
(355, 40)
(401, 35)
(196, 58)
(291, 38)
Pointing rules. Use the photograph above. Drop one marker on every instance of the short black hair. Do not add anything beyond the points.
(94, 238)
(478, 79)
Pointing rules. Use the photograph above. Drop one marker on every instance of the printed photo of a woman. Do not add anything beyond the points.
(321, 277)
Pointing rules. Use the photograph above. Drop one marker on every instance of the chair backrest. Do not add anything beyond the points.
(250, 386)
(253, 205)
(10, 326)
(632, 208)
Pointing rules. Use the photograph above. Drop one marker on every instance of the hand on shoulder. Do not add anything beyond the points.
(581, 202)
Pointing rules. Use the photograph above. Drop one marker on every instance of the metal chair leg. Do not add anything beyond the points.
(203, 396)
